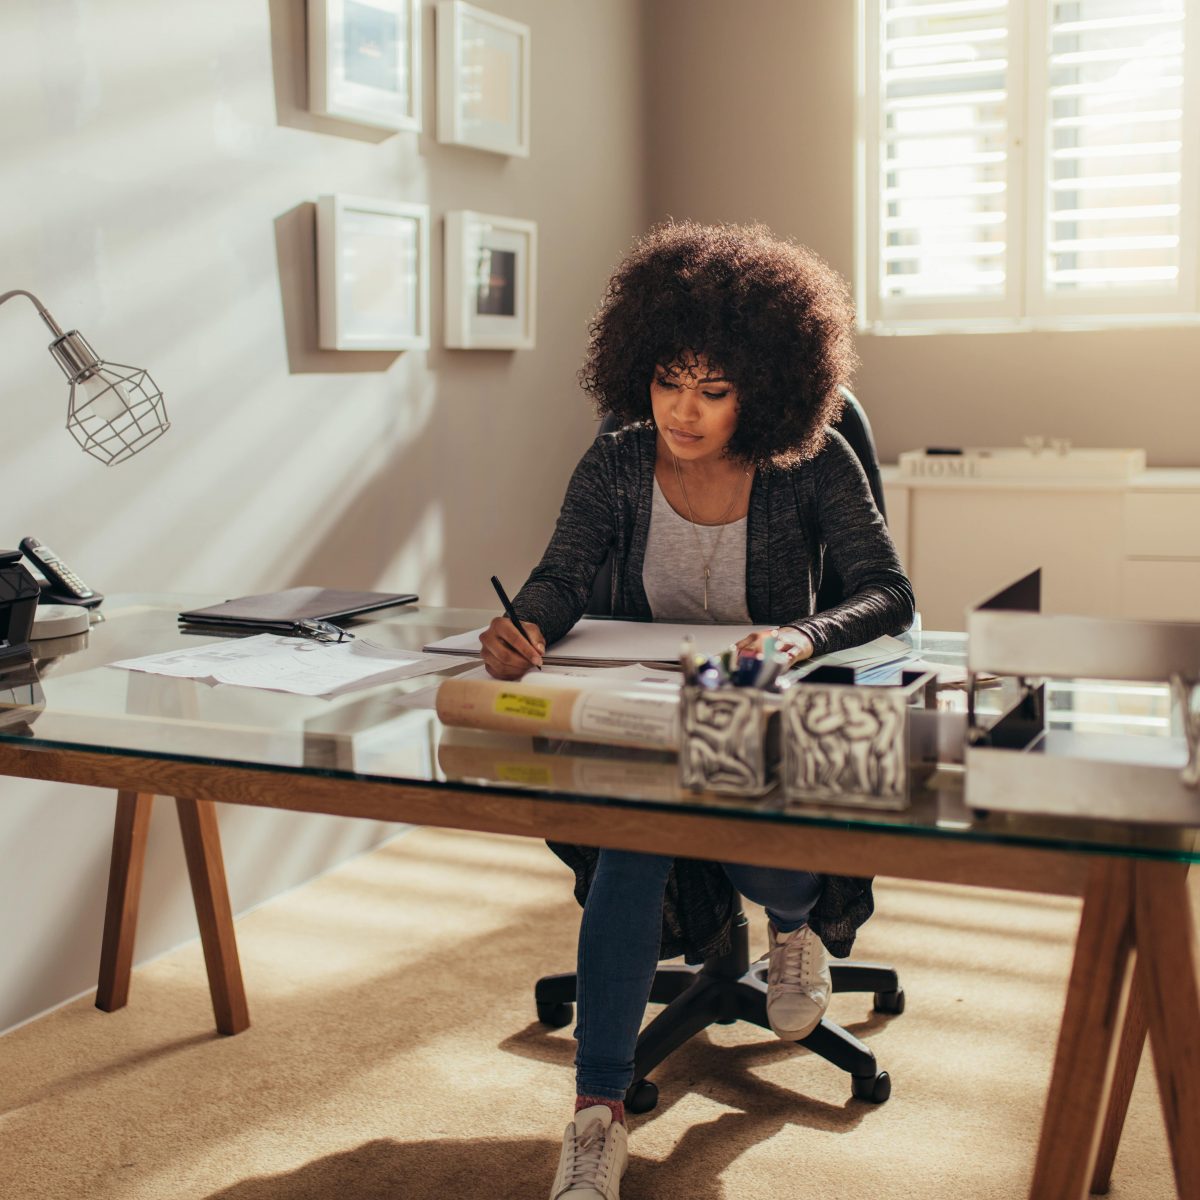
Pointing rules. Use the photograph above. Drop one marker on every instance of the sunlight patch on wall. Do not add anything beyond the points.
(418, 562)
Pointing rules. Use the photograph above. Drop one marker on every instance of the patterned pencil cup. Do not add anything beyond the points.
(867, 746)
(729, 740)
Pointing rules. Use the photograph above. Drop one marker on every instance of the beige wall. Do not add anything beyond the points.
(159, 168)
(752, 118)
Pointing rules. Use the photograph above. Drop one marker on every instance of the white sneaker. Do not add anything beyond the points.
(595, 1152)
(798, 983)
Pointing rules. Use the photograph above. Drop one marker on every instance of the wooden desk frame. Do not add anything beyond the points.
(1133, 974)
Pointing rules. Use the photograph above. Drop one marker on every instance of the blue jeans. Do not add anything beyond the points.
(618, 953)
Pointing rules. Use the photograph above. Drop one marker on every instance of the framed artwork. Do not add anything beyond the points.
(483, 79)
(491, 282)
(364, 61)
(372, 274)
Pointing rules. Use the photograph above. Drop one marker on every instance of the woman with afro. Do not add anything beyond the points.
(722, 351)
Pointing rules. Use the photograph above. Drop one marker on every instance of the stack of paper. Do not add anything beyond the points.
(597, 642)
(283, 664)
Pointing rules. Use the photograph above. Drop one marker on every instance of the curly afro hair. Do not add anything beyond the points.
(773, 317)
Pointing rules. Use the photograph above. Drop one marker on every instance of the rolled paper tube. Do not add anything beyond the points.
(645, 717)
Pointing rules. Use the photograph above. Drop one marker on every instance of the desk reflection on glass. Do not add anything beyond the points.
(21, 695)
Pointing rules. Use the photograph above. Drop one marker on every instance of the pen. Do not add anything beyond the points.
(511, 614)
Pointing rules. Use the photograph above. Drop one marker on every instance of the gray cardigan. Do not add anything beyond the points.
(796, 517)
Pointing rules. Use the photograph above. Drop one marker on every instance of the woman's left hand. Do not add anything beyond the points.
(796, 645)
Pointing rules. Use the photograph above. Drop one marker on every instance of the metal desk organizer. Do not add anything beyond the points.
(861, 746)
(837, 741)
(1019, 764)
(728, 739)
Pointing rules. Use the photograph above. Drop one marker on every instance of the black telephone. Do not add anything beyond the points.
(62, 585)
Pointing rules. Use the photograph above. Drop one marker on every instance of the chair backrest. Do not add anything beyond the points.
(855, 428)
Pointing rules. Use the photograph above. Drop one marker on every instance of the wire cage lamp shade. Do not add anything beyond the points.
(113, 411)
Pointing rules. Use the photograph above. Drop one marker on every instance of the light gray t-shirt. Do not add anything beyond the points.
(673, 569)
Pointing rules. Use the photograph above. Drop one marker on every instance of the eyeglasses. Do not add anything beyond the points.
(321, 631)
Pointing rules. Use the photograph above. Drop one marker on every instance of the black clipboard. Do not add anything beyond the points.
(270, 612)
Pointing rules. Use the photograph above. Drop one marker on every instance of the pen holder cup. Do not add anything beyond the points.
(729, 739)
(860, 746)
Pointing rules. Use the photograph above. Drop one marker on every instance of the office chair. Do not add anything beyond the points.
(728, 987)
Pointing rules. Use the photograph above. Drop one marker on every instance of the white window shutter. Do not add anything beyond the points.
(940, 153)
(1112, 200)
(1028, 162)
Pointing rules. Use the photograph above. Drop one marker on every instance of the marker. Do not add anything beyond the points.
(711, 674)
(510, 613)
(770, 672)
(687, 658)
(745, 674)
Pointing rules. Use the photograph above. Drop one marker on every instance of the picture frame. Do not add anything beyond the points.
(364, 61)
(483, 65)
(372, 273)
(490, 282)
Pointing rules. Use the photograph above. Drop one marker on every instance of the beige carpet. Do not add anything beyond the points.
(394, 1053)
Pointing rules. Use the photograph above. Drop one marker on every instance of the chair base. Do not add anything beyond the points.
(727, 989)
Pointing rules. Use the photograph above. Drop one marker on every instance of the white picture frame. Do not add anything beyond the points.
(491, 282)
(364, 61)
(372, 273)
(483, 66)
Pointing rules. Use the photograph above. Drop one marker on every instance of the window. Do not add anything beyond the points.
(1028, 162)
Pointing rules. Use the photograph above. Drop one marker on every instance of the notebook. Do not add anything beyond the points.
(280, 610)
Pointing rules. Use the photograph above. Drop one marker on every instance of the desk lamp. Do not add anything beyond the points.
(113, 412)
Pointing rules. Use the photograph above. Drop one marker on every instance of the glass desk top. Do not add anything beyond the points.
(370, 734)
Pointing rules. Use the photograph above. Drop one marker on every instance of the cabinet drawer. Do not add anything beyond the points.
(1164, 525)
(1161, 591)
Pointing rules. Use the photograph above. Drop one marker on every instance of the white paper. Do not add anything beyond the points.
(870, 654)
(594, 641)
(647, 714)
(285, 664)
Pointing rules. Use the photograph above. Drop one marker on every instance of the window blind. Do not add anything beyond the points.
(1030, 159)
(943, 155)
(1114, 145)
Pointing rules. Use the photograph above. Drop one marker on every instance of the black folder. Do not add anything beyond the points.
(279, 611)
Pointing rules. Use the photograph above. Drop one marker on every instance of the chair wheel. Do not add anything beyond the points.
(890, 1002)
(642, 1097)
(555, 1015)
(873, 1088)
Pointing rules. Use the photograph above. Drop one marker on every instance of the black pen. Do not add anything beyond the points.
(511, 614)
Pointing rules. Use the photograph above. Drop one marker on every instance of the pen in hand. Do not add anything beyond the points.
(510, 613)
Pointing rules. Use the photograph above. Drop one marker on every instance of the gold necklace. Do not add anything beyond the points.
(695, 533)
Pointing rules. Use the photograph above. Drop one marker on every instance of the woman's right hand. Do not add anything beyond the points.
(506, 654)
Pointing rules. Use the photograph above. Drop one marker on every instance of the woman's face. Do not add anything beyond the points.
(695, 409)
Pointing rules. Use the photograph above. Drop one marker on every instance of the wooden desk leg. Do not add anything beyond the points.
(1129, 1055)
(1092, 1017)
(1166, 940)
(202, 846)
(130, 830)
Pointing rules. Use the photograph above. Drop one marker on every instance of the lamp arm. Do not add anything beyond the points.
(42, 310)
(114, 411)
(70, 350)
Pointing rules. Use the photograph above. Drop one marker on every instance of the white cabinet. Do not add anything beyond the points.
(1128, 549)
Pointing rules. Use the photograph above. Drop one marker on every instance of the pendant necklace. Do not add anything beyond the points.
(705, 560)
